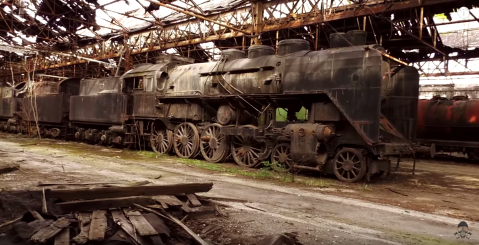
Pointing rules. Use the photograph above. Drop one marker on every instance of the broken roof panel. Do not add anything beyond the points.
(463, 35)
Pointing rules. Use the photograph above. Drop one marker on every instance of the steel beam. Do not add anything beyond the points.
(197, 16)
(466, 73)
(188, 32)
(416, 37)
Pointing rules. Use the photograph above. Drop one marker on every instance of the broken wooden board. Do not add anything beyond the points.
(50, 231)
(84, 220)
(10, 222)
(157, 223)
(25, 230)
(36, 215)
(120, 219)
(98, 226)
(63, 238)
(140, 223)
(193, 200)
(105, 203)
(97, 193)
(168, 200)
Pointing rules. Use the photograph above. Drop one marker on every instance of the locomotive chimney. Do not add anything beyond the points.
(290, 46)
(259, 50)
(339, 40)
(357, 37)
(232, 54)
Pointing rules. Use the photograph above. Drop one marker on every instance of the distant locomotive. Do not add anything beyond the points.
(247, 108)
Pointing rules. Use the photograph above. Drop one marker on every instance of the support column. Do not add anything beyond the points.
(257, 10)
(127, 53)
(421, 21)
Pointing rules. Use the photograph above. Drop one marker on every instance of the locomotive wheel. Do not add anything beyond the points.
(281, 158)
(213, 145)
(161, 139)
(349, 165)
(186, 140)
(245, 150)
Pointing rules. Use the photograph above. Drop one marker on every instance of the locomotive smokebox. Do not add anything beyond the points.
(259, 50)
(232, 54)
(290, 46)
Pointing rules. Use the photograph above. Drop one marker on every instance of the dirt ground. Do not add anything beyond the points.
(402, 208)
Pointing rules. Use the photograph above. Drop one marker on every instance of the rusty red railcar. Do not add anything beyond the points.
(451, 124)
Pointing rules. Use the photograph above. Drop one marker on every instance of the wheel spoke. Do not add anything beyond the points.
(349, 164)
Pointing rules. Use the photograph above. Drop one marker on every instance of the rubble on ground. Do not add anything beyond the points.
(136, 215)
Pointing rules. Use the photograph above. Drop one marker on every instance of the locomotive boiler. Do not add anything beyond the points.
(450, 124)
(246, 107)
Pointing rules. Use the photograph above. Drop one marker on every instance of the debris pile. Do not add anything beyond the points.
(139, 215)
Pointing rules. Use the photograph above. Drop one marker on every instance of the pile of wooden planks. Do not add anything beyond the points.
(142, 215)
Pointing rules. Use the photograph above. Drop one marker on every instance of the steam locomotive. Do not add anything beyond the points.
(344, 110)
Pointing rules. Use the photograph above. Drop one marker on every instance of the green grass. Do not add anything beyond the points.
(262, 173)
(265, 172)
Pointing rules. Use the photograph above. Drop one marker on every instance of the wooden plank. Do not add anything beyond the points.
(63, 238)
(157, 223)
(97, 226)
(84, 220)
(36, 215)
(168, 200)
(120, 219)
(50, 231)
(140, 223)
(104, 203)
(25, 231)
(69, 183)
(186, 208)
(10, 222)
(156, 240)
(96, 193)
(193, 200)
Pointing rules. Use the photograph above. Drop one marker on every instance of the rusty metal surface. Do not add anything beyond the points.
(352, 76)
(7, 107)
(70, 86)
(49, 107)
(452, 120)
(97, 85)
(144, 105)
(101, 108)
(400, 100)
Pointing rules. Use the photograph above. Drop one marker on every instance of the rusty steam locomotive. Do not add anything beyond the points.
(360, 108)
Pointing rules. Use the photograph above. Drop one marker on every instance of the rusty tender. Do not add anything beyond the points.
(360, 110)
